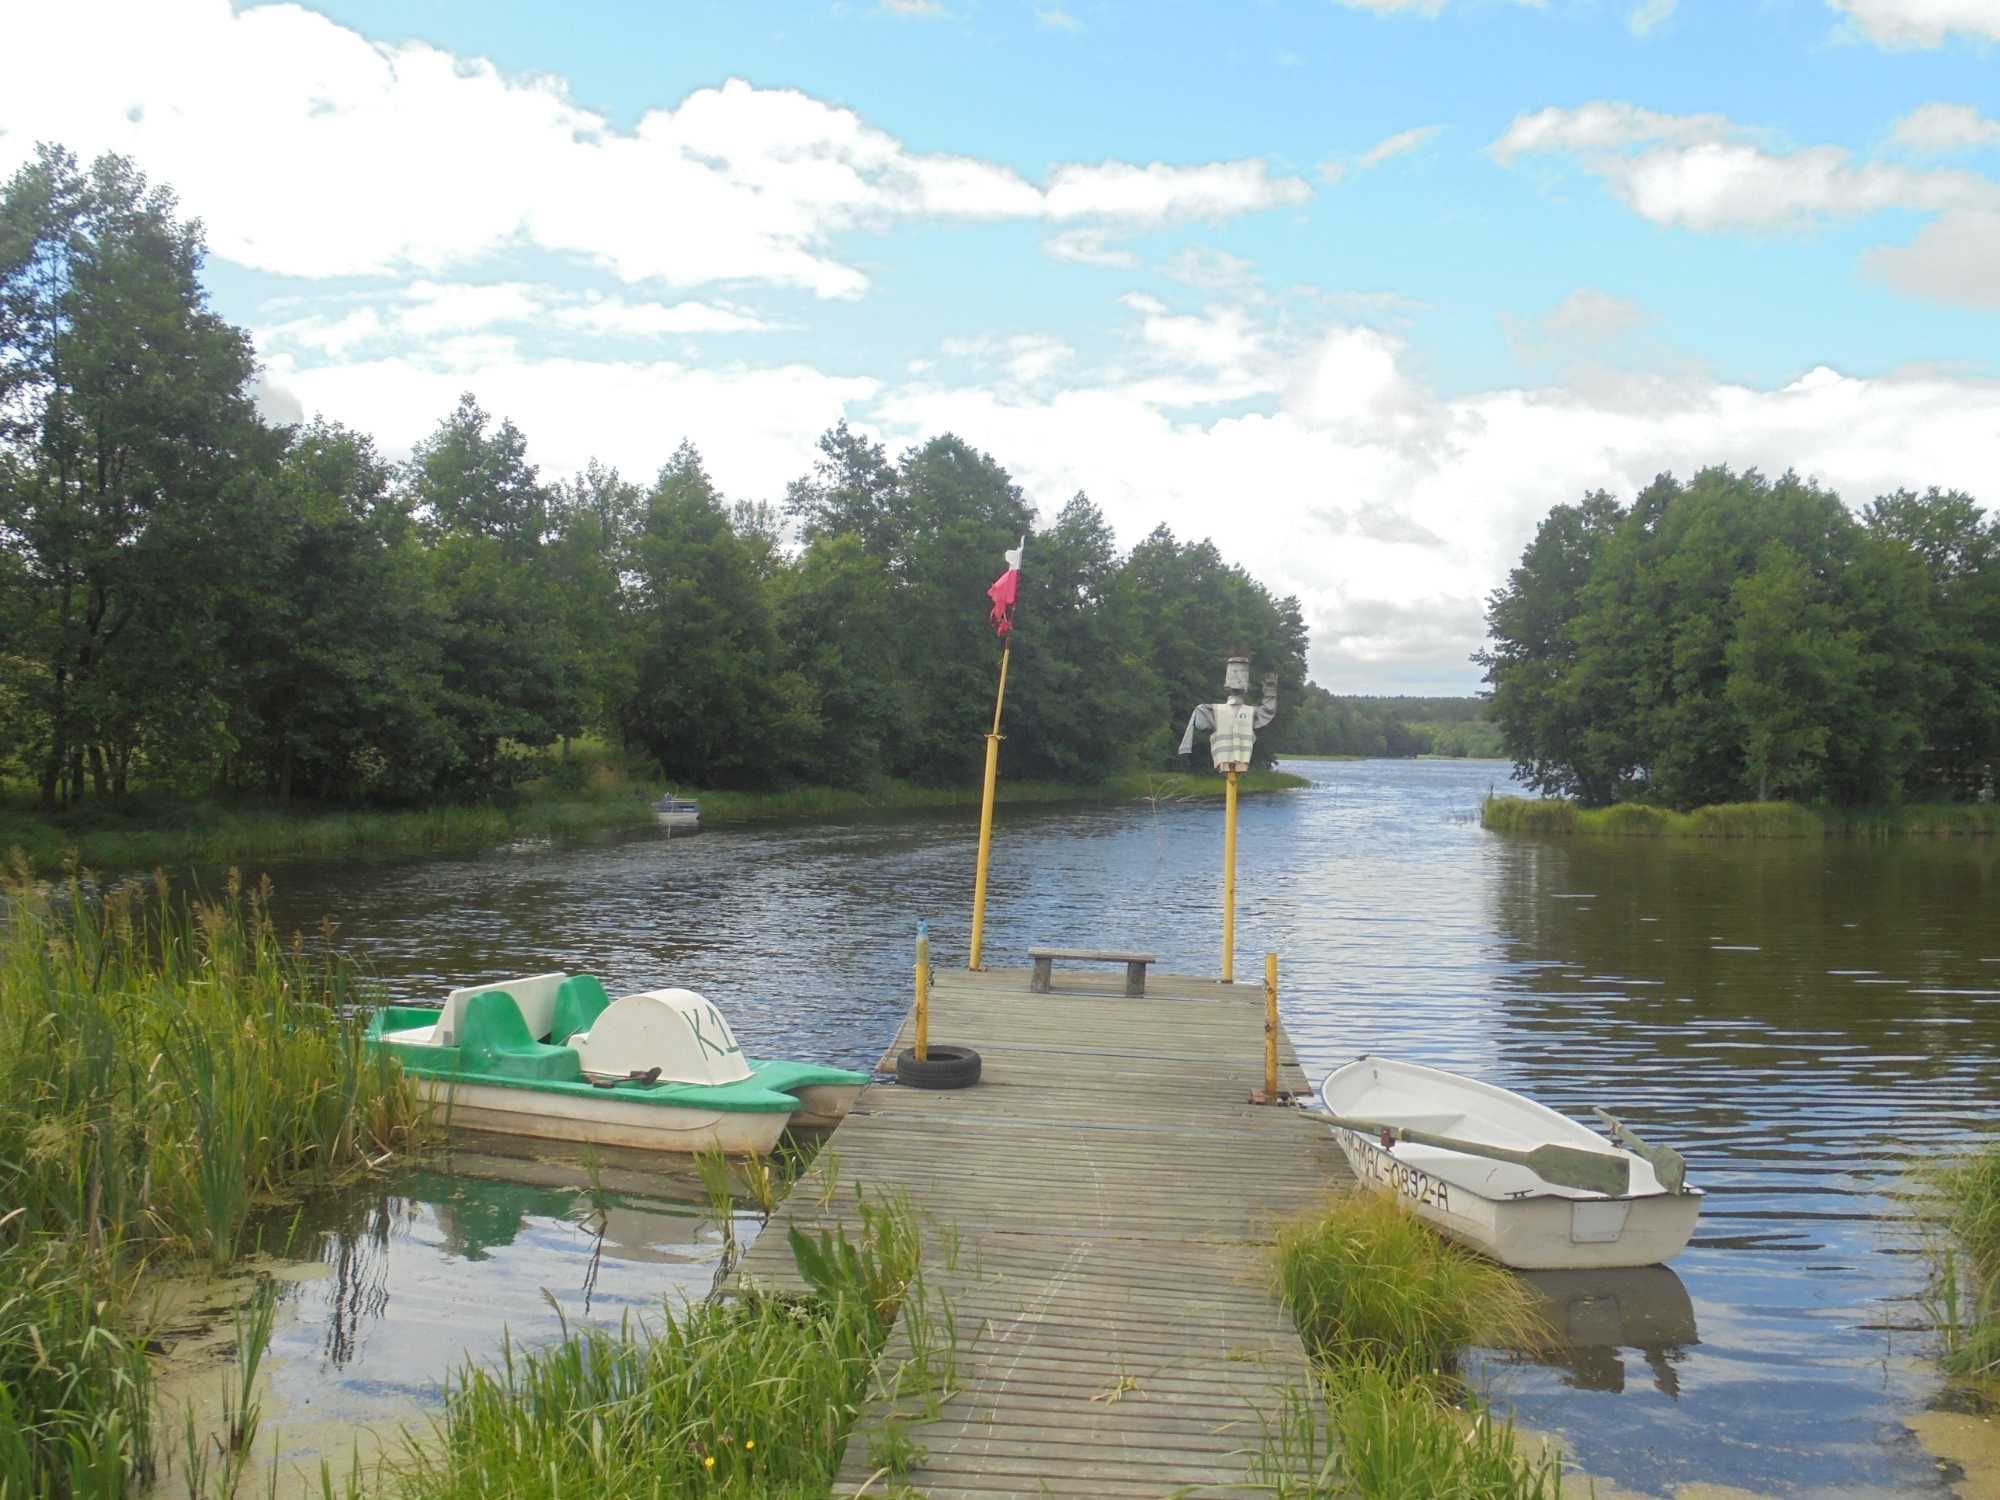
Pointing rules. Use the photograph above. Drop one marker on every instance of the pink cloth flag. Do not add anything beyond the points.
(1004, 591)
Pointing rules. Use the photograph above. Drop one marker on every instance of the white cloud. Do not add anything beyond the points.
(311, 151)
(1954, 259)
(1055, 17)
(1088, 247)
(1703, 173)
(425, 310)
(1649, 15)
(1922, 23)
(1026, 358)
(1604, 125)
(918, 10)
(1944, 128)
(1400, 144)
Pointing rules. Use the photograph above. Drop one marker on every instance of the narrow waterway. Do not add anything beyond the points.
(1803, 1020)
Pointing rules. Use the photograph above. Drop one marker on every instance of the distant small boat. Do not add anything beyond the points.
(553, 1056)
(678, 813)
(1515, 1181)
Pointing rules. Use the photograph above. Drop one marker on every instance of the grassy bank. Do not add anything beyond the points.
(155, 834)
(165, 1068)
(1385, 1306)
(1965, 1298)
(1737, 820)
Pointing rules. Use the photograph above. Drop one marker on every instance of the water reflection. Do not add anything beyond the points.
(1596, 1317)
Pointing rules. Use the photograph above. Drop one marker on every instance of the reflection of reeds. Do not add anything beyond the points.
(1736, 820)
(1963, 1300)
(1385, 1307)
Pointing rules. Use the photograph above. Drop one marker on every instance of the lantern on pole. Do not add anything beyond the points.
(1232, 739)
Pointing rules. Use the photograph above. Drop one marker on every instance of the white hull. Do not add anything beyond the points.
(824, 1105)
(1503, 1211)
(677, 820)
(603, 1122)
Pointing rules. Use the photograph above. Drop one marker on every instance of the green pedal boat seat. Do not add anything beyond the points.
(580, 1000)
(494, 1039)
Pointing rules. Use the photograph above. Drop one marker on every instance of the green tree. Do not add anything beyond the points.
(332, 642)
(124, 417)
(836, 615)
(703, 704)
(510, 671)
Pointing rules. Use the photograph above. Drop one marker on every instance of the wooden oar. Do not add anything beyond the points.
(1668, 1164)
(1565, 1166)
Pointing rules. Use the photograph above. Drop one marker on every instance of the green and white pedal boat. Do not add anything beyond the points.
(552, 1055)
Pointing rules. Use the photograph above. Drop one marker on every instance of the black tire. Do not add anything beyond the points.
(945, 1068)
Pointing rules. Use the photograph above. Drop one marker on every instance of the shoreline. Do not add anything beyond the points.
(1737, 820)
(209, 833)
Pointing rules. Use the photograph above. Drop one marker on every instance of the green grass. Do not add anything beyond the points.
(1727, 820)
(1386, 1306)
(165, 1066)
(752, 1396)
(1965, 1295)
(897, 796)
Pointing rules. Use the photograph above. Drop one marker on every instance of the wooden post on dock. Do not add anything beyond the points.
(1270, 1028)
(923, 1036)
(986, 817)
(1229, 878)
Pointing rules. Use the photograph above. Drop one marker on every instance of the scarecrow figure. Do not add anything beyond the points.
(1233, 725)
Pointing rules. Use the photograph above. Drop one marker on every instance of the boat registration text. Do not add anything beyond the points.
(1373, 1164)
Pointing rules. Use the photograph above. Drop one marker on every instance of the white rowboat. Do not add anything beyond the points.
(1503, 1209)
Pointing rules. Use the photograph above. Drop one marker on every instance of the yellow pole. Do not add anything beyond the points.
(1229, 879)
(986, 817)
(923, 993)
(1270, 1028)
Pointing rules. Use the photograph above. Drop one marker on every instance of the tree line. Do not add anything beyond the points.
(194, 599)
(1734, 638)
(1324, 723)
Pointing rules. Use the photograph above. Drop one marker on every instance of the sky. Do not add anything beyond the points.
(1359, 289)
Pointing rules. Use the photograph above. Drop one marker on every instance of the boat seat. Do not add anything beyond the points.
(494, 1039)
(580, 1000)
(534, 995)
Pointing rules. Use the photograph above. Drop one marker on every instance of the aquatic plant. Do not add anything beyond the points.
(165, 1063)
(751, 1395)
(1737, 820)
(1965, 1291)
(76, 1408)
(1367, 1282)
(1385, 1306)
(1369, 1433)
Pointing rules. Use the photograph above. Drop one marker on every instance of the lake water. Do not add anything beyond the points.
(1802, 1020)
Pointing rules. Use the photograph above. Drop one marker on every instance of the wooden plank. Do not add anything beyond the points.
(1097, 1215)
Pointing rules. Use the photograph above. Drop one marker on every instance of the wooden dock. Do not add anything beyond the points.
(1098, 1211)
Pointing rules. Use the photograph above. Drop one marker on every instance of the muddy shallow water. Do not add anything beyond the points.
(1802, 1019)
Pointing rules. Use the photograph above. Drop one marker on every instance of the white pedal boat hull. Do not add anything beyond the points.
(1502, 1210)
(603, 1122)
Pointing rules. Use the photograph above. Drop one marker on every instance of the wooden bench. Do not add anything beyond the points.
(1135, 966)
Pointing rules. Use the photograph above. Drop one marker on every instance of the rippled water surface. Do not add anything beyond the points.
(1801, 1019)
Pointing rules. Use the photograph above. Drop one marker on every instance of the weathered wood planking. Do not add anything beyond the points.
(1097, 1213)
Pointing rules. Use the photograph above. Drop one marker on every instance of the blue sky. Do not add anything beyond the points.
(1358, 287)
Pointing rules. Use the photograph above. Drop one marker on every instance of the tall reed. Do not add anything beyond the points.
(1965, 1298)
(751, 1396)
(1386, 1306)
(164, 1064)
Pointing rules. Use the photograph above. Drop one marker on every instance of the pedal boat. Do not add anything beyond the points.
(553, 1056)
(1505, 1209)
